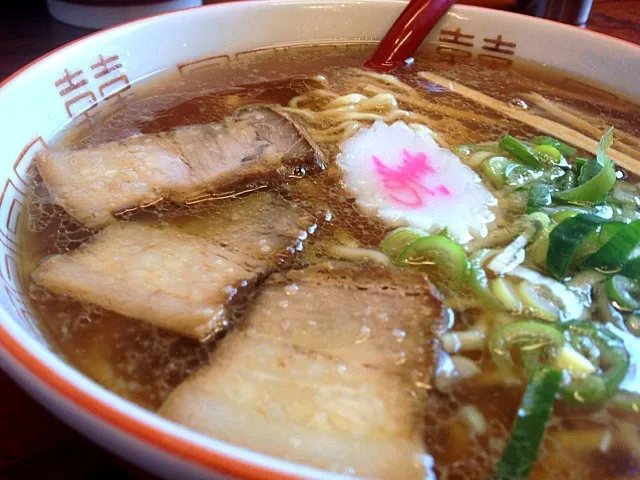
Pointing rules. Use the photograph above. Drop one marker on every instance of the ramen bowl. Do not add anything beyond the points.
(88, 78)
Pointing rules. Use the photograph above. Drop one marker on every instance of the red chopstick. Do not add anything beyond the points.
(407, 33)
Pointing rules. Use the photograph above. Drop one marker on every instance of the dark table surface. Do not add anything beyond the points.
(33, 443)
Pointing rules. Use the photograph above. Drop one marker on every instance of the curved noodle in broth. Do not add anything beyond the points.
(272, 308)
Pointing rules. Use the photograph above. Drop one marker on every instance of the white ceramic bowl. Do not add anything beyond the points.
(40, 100)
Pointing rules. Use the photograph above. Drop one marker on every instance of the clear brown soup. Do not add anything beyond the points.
(143, 363)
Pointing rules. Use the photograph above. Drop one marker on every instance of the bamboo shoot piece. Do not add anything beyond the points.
(545, 125)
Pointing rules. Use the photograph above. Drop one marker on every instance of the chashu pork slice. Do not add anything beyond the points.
(304, 407)
(174, 279)
(261, 224)
(366, 314)
(330, 368)
(252, 147)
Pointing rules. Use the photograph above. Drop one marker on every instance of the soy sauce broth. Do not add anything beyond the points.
(143, 363)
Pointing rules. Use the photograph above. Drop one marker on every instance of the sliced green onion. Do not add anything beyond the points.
(578, 163)
(539, 196)
(535, 409)
(603, 145)
(586, 390)
(608, 230)
(610, 353)
(571, 304)
(624, 291)
(533, 339)
(443, 260)
(520, 151)
(598, 186)
(631, 269)
(549, 154)
(589, 170)
(505, 293)
(604, 310)
(563, 148)
(479, 282)
(539, 301)
(537, 251)
(566, 239)
(613, 254)
(576, 344)
(591, 192)
(562, 215)
(397, 240)
(495, 167)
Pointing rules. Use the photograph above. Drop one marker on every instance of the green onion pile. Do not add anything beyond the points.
(570, 280)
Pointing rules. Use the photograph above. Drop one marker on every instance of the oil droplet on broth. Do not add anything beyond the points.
(400, 334)
(363, 335)
(291, 289)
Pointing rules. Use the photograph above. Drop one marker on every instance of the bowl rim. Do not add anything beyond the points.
(92, 404)
(583, 31)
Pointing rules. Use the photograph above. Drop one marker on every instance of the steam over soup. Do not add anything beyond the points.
(428, 275)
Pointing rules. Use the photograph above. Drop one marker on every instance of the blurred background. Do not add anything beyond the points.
(28, 31)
